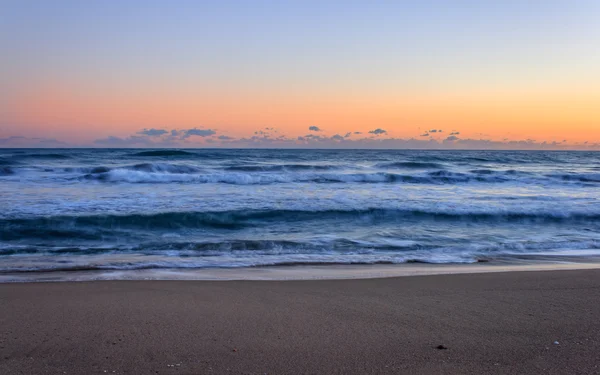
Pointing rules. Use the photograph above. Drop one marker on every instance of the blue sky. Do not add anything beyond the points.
(292, 54)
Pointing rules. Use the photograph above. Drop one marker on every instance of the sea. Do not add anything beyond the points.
(83, 210)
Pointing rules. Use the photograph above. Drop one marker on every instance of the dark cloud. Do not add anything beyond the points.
(357, 133)
(225, 138)
(156, 138)
(425, 135)
(198, 132)
(378, 131)
(451, 138)
(337, 137)
(455, 133)
(153, 132)
(314, 128)
(433, 131)
(347, 134)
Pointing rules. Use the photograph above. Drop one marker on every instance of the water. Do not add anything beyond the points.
(123, 209)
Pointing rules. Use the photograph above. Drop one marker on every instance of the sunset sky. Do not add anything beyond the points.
(144, 73)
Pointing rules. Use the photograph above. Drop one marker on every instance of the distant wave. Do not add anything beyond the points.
(143, 167)
(6, 171)
(5, 162)
(281, 168)
(164, 153)
(265, 174)
(410, 165)
(580, 177)
(52, 156)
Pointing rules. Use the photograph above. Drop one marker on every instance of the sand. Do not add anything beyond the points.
(513, 322)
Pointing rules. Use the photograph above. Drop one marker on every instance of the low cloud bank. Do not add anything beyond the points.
(270, 138)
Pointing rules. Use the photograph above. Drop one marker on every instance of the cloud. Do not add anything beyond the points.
(153, 132)
(34, 142)
(378, 131)
(198, 132)
(357, 133)
(269, 138)
(314, 128)
(157, 138)
(433, 131)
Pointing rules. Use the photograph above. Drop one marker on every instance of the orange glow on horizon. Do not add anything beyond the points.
(80, 116)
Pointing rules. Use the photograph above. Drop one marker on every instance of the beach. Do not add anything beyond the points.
(506, 322)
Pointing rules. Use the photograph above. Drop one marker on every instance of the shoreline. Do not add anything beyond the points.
(300, 272)
(496, 323)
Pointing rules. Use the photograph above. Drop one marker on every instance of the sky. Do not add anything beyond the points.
(381, 74)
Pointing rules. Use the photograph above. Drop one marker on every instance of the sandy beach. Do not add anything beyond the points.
(515, 322)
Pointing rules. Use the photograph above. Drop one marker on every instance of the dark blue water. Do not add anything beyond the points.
(71, 209)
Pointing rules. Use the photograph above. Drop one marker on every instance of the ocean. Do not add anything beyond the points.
(130, 209)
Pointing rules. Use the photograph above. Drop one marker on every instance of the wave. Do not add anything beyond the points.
(67, 226)
(143, 167)
(410, 165)
(577, 177)
(186, 174)
(259, 174)
(242, 247)
(264, 253)
(4, 162)
(510, 172)
(6, 171)
(164, 153)
(52, 156)
(199, 249)
(249, 263)
(282, 168)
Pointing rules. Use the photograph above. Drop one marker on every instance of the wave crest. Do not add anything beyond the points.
(164, 153)
(410, 165)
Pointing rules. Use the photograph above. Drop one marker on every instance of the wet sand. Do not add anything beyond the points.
(486, 323)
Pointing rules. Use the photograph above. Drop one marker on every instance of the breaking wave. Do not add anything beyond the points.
(186, 174)
(281, 168)
(410, 165)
